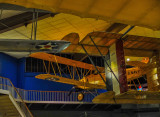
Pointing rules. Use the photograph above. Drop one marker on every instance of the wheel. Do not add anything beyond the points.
(80, 96)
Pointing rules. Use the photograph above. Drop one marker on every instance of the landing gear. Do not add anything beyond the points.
(80, 96)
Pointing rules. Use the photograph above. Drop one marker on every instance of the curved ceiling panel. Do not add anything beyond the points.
(133, 12)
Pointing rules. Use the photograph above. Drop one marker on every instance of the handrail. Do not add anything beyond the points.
(54, 96)
(26, 111)
(40, 90)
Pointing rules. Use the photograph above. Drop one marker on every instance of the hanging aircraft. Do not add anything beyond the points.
(81, 83)
(22, 45)
(150, 96)
(88, 81)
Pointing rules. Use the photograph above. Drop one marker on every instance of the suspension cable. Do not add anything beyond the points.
(36, 20)
(1, 14)
(104, 60)
(93, 63)
(33, 18)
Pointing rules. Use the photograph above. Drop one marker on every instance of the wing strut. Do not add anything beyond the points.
(93, 63)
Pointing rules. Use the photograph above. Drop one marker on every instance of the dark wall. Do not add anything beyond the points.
(8, 68)
(43, 113)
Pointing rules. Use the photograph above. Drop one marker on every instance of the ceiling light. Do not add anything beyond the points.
(128, 59)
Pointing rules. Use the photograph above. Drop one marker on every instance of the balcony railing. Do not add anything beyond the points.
(57, 96)
(6, 84)
(34, 95)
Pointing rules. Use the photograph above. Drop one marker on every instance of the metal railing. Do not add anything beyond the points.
(34, 95)
(57, 96)
(6, 84)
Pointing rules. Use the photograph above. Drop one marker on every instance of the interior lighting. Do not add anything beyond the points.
(128, 59)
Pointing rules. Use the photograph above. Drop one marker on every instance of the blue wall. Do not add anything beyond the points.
(14, 69)
(29, 82)
(8, 68)
(21, 70)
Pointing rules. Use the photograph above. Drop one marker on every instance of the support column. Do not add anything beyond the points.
(153, 72)
(158, 68)
(118, 66)
(108, 74)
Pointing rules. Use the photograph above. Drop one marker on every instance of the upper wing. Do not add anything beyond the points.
(133, 45)
(62, 60)
(102, 40)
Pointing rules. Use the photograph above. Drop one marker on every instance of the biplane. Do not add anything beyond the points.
(89, 80)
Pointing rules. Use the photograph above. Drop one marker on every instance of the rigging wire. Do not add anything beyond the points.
(11, 27)
(35, 33)
(34, 24)
(1, 14)
(93, 64)
(105, 60)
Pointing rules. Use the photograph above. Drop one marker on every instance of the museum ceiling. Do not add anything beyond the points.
(66, 16)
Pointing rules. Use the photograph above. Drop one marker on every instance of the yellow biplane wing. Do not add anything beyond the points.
(89, 81)
(66, 61)
(79, 84)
